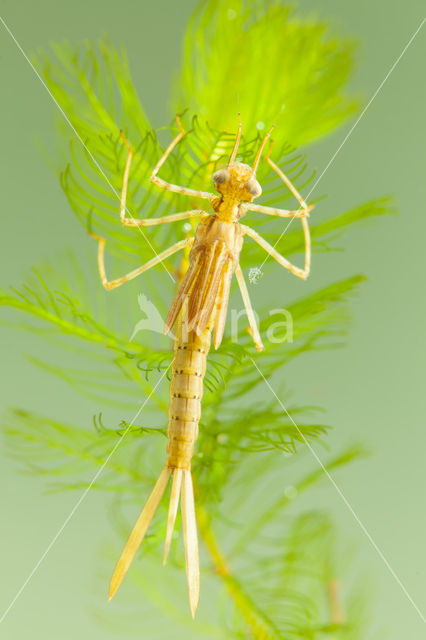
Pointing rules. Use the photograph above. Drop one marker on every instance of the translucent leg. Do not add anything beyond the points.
(297, 271)
(249, 309)
(174, 187)
(111, 284)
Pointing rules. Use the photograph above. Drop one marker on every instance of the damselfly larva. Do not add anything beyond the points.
(199, 307)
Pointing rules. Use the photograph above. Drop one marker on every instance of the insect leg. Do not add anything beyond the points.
(297, 271)
(302, 203)
(146, 222)
(279, 213)
(282, 213)
(111, 284)
(249, 309)
(174, 217)
(174, 187)
(285, 179)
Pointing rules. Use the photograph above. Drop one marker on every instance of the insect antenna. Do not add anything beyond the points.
(262, 146)
(237, 142)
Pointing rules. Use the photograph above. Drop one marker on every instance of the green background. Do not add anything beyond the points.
(373, 389)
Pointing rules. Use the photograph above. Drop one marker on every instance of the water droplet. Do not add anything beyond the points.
(232, 14)
(187, 226)
(290, 492)
(260, 125)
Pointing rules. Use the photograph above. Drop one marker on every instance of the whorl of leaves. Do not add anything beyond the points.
(283, 563)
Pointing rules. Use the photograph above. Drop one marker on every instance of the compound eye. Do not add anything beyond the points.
(221, 176)
(254, 188)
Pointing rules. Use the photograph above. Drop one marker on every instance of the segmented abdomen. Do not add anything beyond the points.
(200, 302)
(186, 392)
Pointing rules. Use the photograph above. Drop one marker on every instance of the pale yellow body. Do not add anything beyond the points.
(199, 307)
(200, 304)
(186, 392)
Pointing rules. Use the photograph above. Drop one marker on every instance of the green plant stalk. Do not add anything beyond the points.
(260, 625)
(259, 25)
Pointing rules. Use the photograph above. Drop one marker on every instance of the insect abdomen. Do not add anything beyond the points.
(186, 391)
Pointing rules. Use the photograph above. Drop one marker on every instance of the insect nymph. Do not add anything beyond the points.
(199, 307)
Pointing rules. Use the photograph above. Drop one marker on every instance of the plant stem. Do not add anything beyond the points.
(260, 626)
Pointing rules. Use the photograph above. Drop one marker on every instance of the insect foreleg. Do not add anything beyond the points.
(285, 179)
(146, 222)
(279, 213)
(111, 284)
(303, 212)
(304, 206)
(174, 217)
(174, 187)
(249, 309)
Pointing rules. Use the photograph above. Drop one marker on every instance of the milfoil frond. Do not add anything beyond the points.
(260, 58)
(279, 564)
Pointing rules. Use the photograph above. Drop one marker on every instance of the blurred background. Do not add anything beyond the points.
(373, 389)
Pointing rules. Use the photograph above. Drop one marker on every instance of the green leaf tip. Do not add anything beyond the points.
(263, 60)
